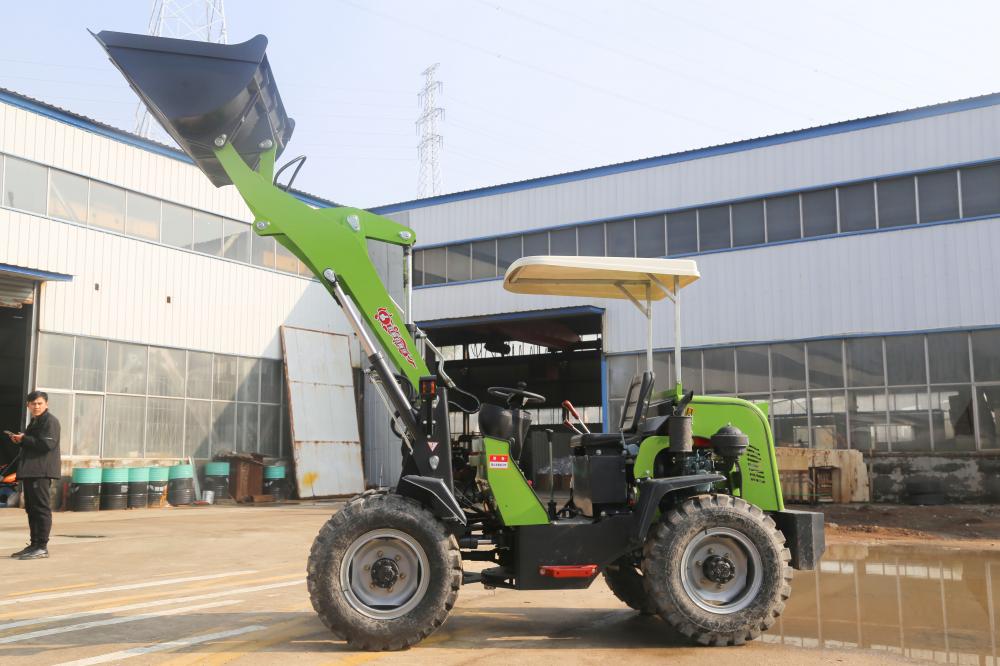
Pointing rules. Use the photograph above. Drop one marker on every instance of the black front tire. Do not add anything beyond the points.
(625, 582)
(701, 542)
(339, 571)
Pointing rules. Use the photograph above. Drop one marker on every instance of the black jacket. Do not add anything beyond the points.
(40, 449)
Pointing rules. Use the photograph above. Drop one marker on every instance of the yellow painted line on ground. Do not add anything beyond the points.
(279, 633)
(50, 589)
(22, 599)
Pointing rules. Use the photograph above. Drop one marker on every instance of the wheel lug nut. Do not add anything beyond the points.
(371, 585)
(397, 558)
(718, 586)
(368, 567)
(711, 551)
(697, 563)
(389, 590)
(379, 553)
(402, 576)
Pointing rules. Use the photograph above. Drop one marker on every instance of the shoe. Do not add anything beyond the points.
(36, 553)
(22, 551)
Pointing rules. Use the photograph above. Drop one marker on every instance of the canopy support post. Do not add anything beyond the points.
(649, 330)
(677, 336)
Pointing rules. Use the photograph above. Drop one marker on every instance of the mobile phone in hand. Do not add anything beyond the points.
(9, 433)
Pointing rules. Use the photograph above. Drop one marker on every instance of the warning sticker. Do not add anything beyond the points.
(431, 445)
(499, 462)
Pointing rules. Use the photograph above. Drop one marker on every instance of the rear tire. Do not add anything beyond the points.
(717, 569)
(626, 583)
(383, 572)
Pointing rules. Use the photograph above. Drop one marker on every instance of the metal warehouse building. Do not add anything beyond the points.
(849, 280)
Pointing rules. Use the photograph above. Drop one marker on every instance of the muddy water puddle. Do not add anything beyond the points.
(931, 604)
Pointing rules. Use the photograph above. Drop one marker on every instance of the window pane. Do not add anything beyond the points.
(663, 369)
(166, 372)
(89, 362)
(459, 265)
(938, 194)
(621, 238)
(55, 361)
(199, 375)
(650, 237)
(124, 424)
(864, 362)
(826, 368)
(107, 207)
(536, 244)
(720, 371)
(270, 430)
(24, 185)
(224, 377)
(981, 190)
(986, 355)
(262, 251)
(591, 240)
(869, 430)
(143, 216)
(236, 241)
(207, 233)
(284, 260)
(748, 223)
(61, 406)
(270, 380)
(621, 370)
(223, 426)
(126, 368)
(508, 251)
(791, 425)
(484, 259)
(788, 367)
(562, 242)
(691, 371)
(88, 414)
(751, 363)
(819, 213)
(713, 228)
(176, 228)
(198, 429)
(246, 427)
(948, 354)
(249, 378)
(951, 418)
(857, 207)
(909, 427)
(682, 233)
(897, 203)
(783, 218)
(829, 419)
(418, 268)
(68, 196)
(904, 360)
(989, 417)
(164, 428)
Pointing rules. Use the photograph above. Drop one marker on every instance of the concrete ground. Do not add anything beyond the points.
(219, 585)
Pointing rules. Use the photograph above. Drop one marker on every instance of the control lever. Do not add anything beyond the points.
(568, 406)
(572, 427)
(552, 477)
(683, 403)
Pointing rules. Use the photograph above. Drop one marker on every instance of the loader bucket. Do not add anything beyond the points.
(202, 92)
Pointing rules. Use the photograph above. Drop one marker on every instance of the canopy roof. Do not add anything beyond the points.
(600, 277)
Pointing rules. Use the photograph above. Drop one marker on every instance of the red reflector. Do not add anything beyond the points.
(568, 570)
(702, 442)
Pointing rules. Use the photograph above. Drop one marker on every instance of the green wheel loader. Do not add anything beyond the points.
(679, 509)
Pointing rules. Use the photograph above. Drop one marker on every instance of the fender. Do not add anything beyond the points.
(652, 491)
(433, 494)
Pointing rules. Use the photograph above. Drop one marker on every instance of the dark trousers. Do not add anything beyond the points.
(35, 494)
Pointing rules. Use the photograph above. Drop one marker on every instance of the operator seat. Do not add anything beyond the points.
(633, 413)
(507, 424)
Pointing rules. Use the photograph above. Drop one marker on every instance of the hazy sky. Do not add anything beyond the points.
(540, 87)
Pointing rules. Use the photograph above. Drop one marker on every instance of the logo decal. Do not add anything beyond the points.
(384, 318)
(499, 462)
(431, 445)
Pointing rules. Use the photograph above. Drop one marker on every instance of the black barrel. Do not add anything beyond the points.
(114, 488)
(217, 479)
(85, 489)
(157, 486)
(138, 487)
(180, 487)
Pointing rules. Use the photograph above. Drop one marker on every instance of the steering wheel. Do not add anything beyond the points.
(511, 395)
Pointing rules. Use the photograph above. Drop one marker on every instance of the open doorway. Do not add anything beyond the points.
(15, 340)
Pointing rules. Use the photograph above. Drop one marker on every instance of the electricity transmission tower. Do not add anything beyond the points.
(429, 148)
(202, 20)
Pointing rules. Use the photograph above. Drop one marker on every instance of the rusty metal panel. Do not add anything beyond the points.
(326, 444)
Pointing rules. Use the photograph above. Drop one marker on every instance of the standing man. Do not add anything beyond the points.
(40, 462)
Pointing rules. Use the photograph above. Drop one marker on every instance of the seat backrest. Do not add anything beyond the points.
(636, 401)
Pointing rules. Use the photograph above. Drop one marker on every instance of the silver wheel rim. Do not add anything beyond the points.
(379, 550)
(727, 597)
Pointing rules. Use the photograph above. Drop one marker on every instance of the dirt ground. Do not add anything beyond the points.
(974, 526)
